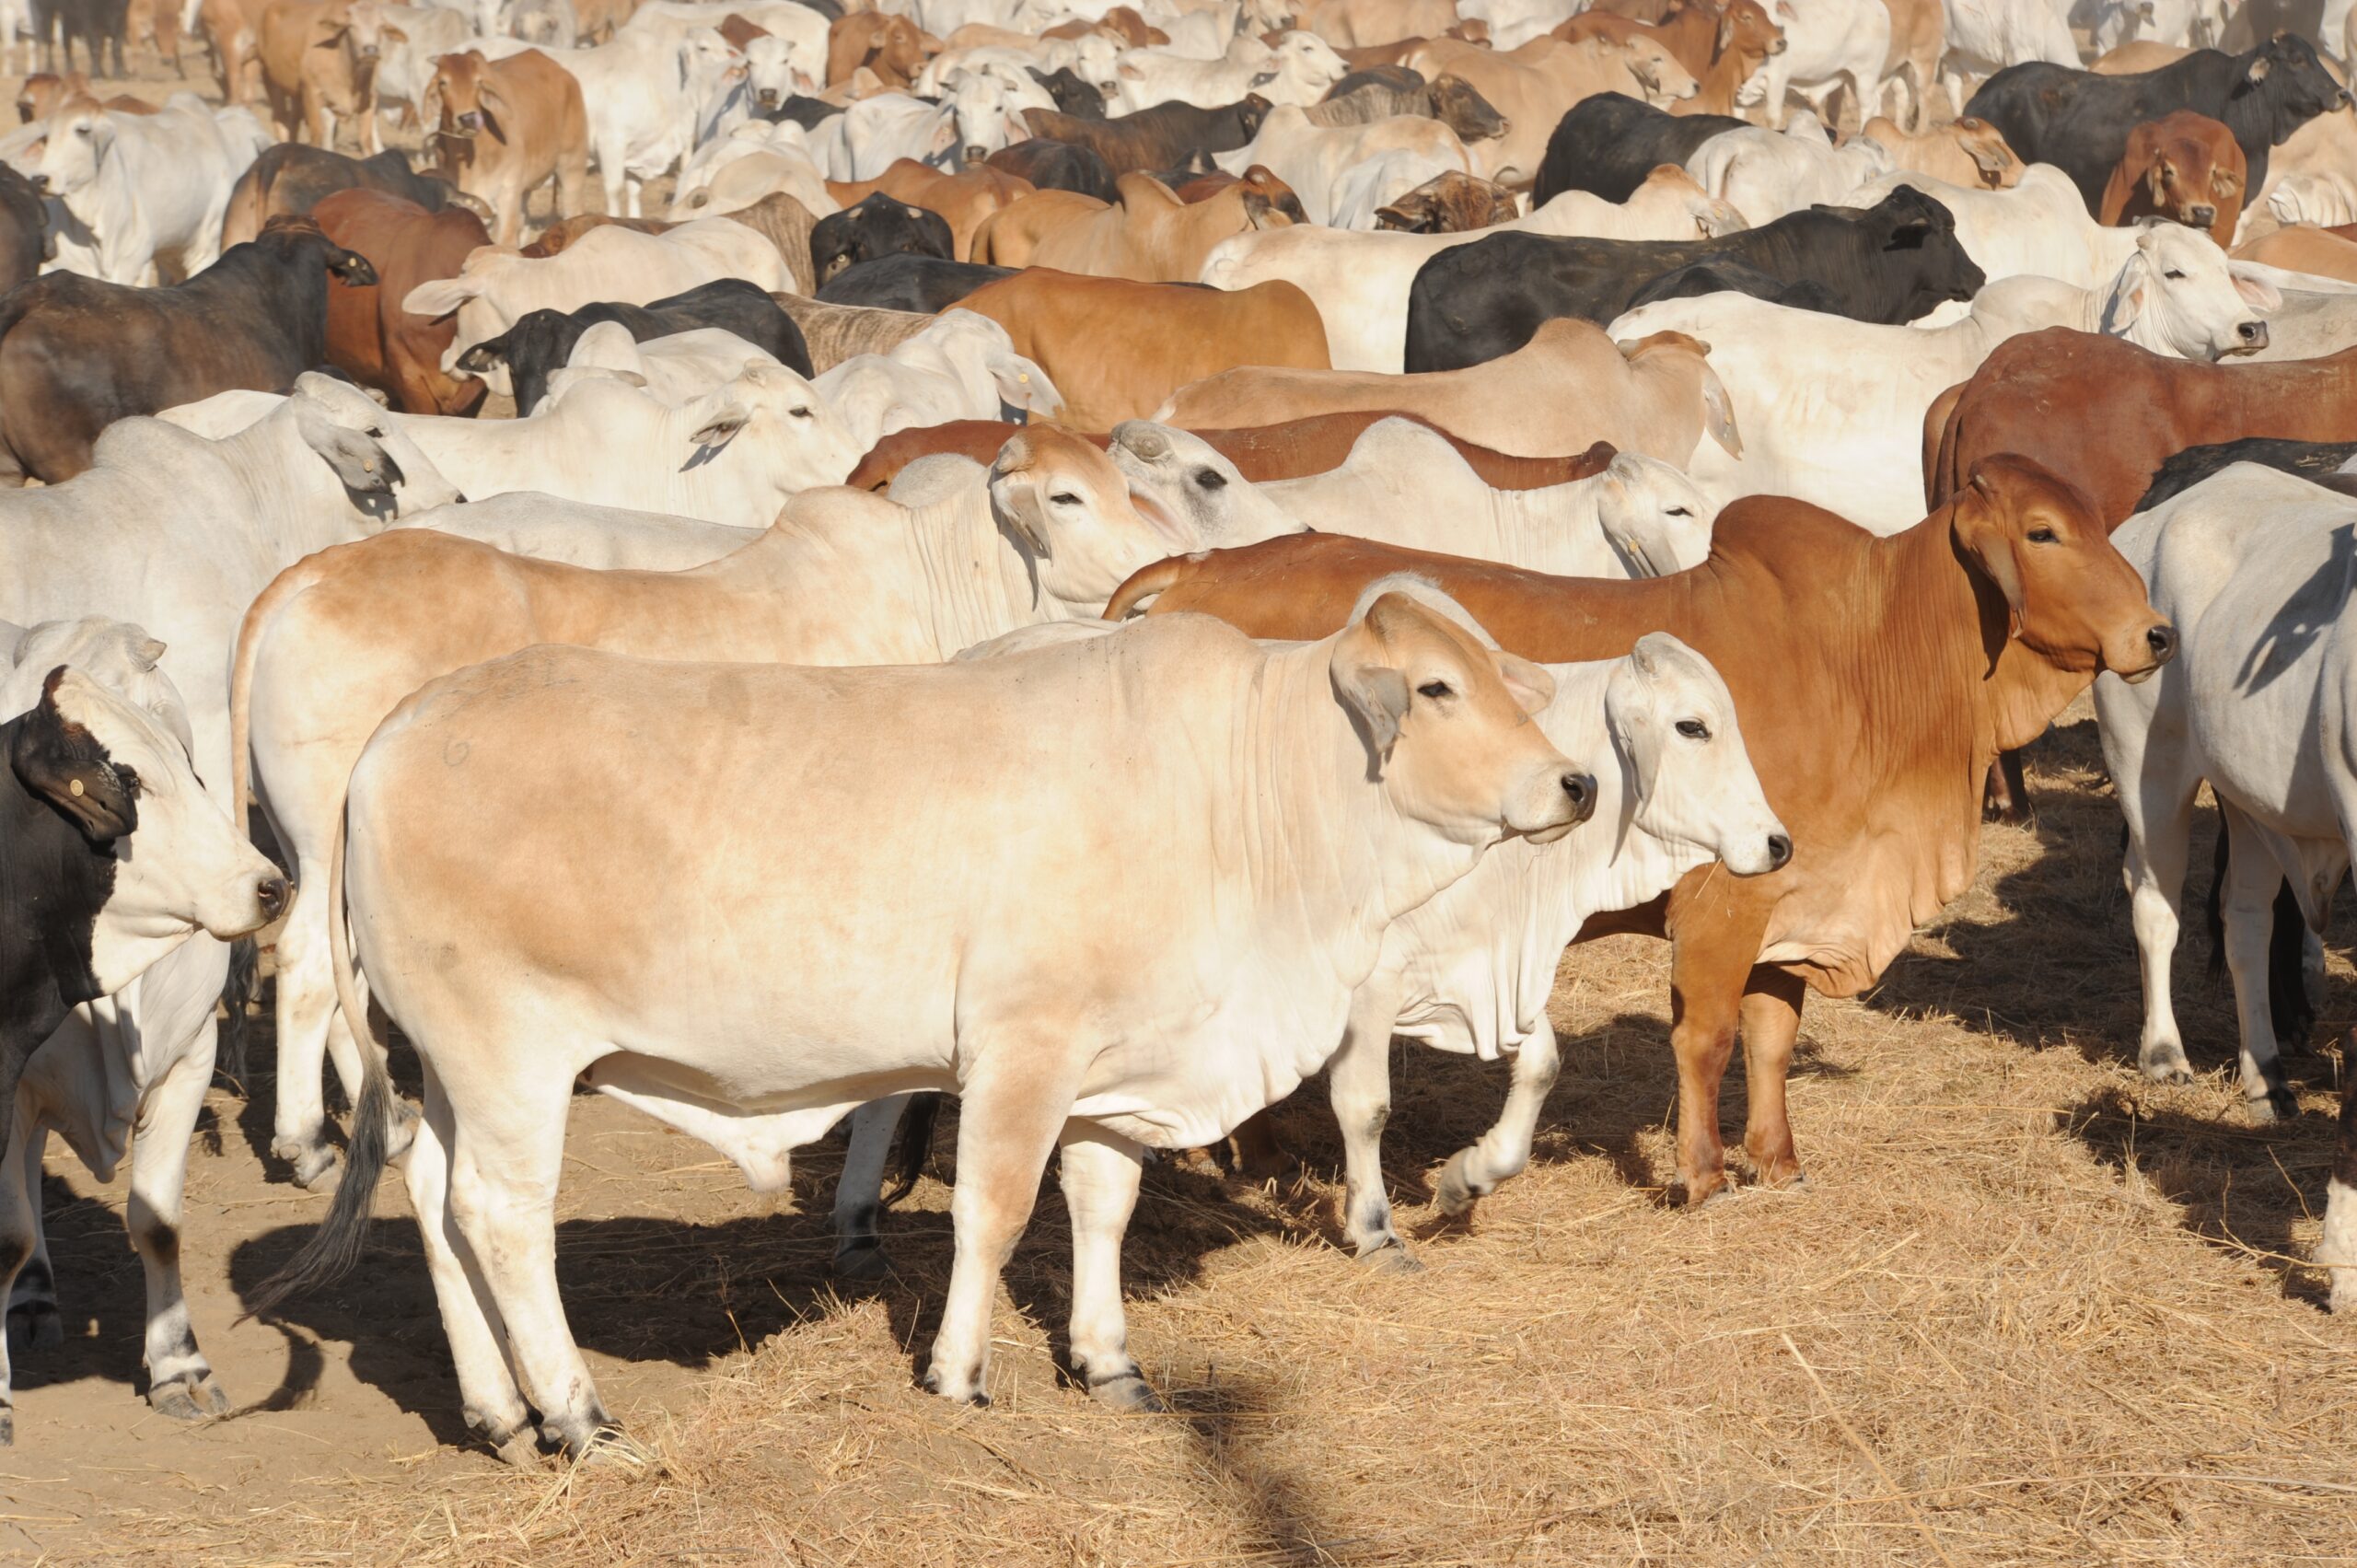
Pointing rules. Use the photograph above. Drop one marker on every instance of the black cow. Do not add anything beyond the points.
(76, 355)
(922, 283)
(1072, 95)
(68, 794)
(875, 227)
(1156, 137)
(98, 24)
(2079, 121)
(538, 346)
(1888, 263)
(806, 112)
(1727, 276)
(1057, 166)
(24, 240)
(1609, 143)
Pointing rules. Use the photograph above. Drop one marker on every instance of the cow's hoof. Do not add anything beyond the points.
(189, 1399)
(610, 1445)
(1453, 1193)
(34, 1327)
(7, 1429)
(864, 1262)
(2278, 1104)
(932, 1384)
(1391, 1257)
(1718, 1196)
(314, 1165)
(1128, 1392)
(2166, 1064)
(520, 1450)
(2343, 1301)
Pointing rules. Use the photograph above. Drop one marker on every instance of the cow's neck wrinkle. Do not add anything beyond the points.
(293, 497)
(982, 584)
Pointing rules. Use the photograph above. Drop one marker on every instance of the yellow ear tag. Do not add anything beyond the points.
(75, 786)
(1024, 376)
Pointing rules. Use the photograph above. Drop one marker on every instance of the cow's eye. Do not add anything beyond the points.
(2174, 277)
(81, 130)
(803, 412)
(128, 777)
(1211, 479)
(1064, 499)
(2041, 536)
(1694, 729)
(1681, 511)
(1435, 690)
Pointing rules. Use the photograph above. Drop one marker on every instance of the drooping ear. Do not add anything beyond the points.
(721, 425)
(1910, 234)
(1377, 697)
(494, 106)
(1172, 530)
(2258, 72)
(358, 460)
(1528, 684)
(429, 104)
(439, 297)
(1979, 528)
(2256, 291)
(350, 268)
(62, 762)
(1718, 413)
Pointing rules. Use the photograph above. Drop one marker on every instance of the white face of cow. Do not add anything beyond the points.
(1181, 473)
(769, 72)
(1687, 779)
(709, 64)
(76, 144)
(180, 866)
(1071, 509)
(795, 432)
(2179, 295)
(1655, 518)
(987, 109)
(1447, 720)
(1308, 61)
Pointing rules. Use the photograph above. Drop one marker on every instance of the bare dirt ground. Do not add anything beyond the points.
(2033, 1310)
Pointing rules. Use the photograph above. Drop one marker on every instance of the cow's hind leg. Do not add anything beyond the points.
(1505, 1149)
(2253, 873)
(1010, 1114)
(858, 1191)
(487, 1389)
(2160, 822)
(507, 1144)
(1713, 944)
(307, 1012)
(1100, 1174)
(180, 1380)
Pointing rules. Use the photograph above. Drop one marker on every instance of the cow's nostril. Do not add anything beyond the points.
(1779, 851)
(1581, 788)
(271, 895)
(2253, 332)
(2162, 640)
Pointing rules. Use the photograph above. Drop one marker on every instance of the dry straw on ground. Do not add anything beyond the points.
(2033, 1310)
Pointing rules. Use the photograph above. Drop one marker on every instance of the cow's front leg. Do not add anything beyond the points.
(2337, 1248)
(33, 1321)
(1358, 1086)
(2247, 904)
(1505, 1149)
(1100, 1173)
(179, 1381)
(19, 1225)
(1010, 1115)
(1771, 1025)
(1714, 927)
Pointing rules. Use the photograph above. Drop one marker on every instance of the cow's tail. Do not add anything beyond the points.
(336, 1245)
(1144, 584)
(243, 984)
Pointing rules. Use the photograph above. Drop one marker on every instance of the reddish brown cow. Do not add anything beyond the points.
(1266, 452)
(892, 47)
(2186, 168)
(370, 337)
(1875, 678)
(964, 200)
(1720, 45)
(2106, 415)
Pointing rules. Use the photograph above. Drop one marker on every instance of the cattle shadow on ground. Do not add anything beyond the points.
(654, 1287)
(101, 1296)
(2241, 1188)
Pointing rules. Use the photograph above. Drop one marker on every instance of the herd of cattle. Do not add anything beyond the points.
(757, 727)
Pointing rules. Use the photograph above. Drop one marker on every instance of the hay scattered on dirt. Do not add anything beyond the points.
(2033, 1310)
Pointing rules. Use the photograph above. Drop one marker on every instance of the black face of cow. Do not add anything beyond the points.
(64, 764)
(1459, 106)
(2288, 74)
(1918, 238)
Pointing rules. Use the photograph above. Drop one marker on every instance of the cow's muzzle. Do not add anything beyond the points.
(2160, 641)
